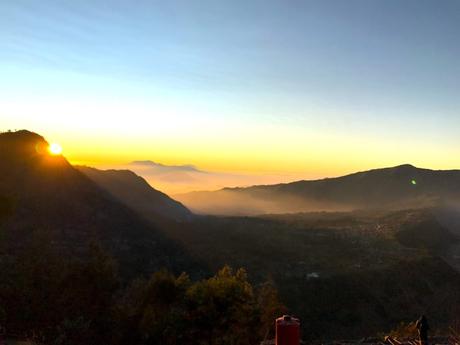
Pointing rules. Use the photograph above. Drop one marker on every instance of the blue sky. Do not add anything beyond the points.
(386, 71)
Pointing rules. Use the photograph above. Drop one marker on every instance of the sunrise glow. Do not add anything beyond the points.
(301, 96)
(55, 149)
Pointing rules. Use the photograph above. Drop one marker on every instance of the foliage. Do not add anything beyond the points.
(404, 330)
(224, 309)
(61, 300)
(53, 298)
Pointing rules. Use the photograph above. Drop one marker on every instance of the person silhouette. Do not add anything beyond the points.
(422, 327)
(2, 333)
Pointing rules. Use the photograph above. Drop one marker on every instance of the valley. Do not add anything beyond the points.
(345, 273)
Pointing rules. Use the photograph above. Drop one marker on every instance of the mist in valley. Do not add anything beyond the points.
(230, 202)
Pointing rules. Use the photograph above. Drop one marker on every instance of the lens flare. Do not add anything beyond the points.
(55, 149)
(413, 182)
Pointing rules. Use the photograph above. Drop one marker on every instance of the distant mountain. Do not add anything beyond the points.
(394, 188)
(184, 178)
(133, 191)
(166, 168)
(45, 194)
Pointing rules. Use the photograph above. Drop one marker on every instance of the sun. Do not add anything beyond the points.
(55, 149)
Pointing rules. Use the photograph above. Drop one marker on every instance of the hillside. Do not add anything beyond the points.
(394, 188)
(133, 191)
(46, 195)
(347, 274)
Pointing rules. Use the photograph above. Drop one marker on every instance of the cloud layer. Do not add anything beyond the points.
(176, 179)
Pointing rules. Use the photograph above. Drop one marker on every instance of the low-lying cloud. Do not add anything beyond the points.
(177, 179)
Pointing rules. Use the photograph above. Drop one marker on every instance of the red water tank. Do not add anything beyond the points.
(287, 331)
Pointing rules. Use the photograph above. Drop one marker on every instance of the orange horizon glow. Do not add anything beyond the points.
(252, 158)
(222, 164)
(323, 160)
(239, 167)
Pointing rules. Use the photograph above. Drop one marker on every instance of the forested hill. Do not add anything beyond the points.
(400, 187)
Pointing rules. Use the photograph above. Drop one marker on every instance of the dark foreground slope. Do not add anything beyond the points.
(346, 275)
(136, 193)
(400, 187)
(48, 196)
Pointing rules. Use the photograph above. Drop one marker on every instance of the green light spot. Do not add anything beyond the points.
(413, 182)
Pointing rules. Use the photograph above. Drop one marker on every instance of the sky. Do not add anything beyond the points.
(274, 90)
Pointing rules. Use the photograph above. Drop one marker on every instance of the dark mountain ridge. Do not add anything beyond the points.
(133, 191)
(48, 195)
(400, 187)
